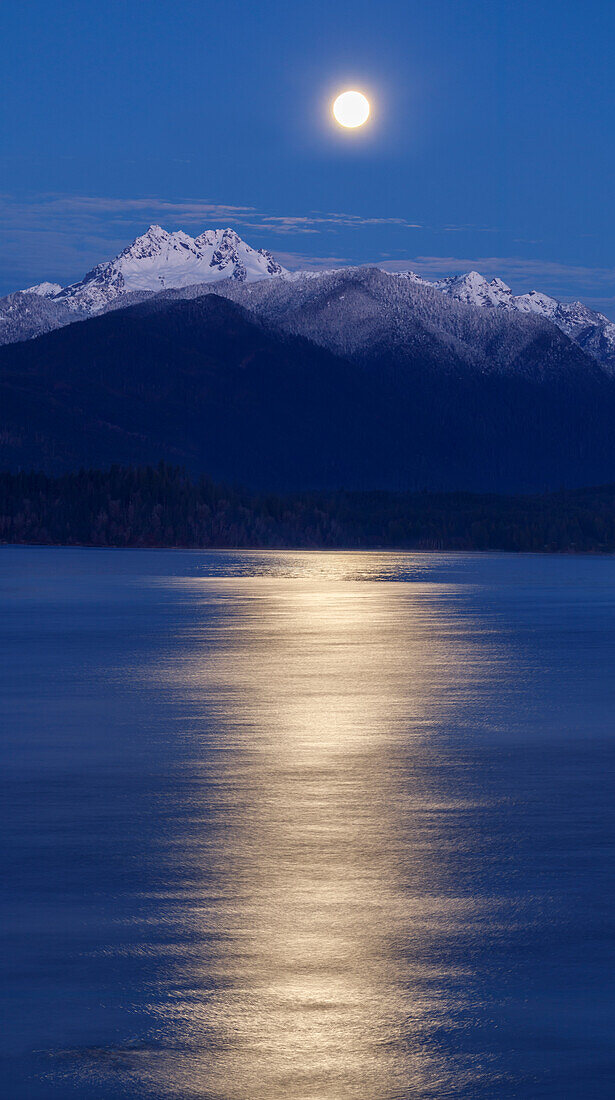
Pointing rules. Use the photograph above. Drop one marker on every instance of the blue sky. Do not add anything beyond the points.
(490, 146)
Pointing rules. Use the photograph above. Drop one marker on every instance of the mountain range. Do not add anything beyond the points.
(159, 261)
(353, 378)
(590, 329)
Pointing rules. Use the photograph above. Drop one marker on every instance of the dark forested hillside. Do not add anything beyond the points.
(164, 506)
(497, 407)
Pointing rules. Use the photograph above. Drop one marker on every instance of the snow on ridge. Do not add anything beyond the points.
(592, 330)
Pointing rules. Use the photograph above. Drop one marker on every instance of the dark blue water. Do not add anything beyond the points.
(313, 826)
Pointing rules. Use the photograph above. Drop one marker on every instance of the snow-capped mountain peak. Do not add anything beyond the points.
(537, 302)
(471, 287)
(44, 290)
(229, 249)
(154, 242)
(212, 238)
(475, 289)
(159, 260)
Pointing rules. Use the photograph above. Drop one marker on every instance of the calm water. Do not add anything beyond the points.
(312, 826)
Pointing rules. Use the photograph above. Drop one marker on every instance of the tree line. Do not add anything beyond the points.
(165, 506)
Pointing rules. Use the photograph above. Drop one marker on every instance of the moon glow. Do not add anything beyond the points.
(351, 109)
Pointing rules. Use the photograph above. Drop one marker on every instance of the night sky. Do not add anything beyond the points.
(490, 143)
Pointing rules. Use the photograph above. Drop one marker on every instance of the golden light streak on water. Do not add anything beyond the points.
(315, 869)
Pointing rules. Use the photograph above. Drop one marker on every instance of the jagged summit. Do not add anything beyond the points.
(44, 290)
(159, 260)
(475, 289)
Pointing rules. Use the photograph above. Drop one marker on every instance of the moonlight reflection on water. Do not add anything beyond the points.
(315, 864)
(318, 826)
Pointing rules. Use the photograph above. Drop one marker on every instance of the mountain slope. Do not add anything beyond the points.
(588, 328)
(203, 382)
(196, 382)
(369, 315)
(27, 313)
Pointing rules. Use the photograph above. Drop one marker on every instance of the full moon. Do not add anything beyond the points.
(351, 109)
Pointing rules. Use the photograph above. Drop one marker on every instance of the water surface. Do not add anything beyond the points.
(312, 826)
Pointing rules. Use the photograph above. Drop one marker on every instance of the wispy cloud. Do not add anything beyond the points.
(316, 221)
(303, 261)
(40, 210)
(75, 206)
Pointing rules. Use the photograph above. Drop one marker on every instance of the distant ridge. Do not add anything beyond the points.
(590, 329)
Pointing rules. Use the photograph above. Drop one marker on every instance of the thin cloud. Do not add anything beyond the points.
(38, 211)
(60, 204)
(315, 222)
(513, 267)
(302, 261)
